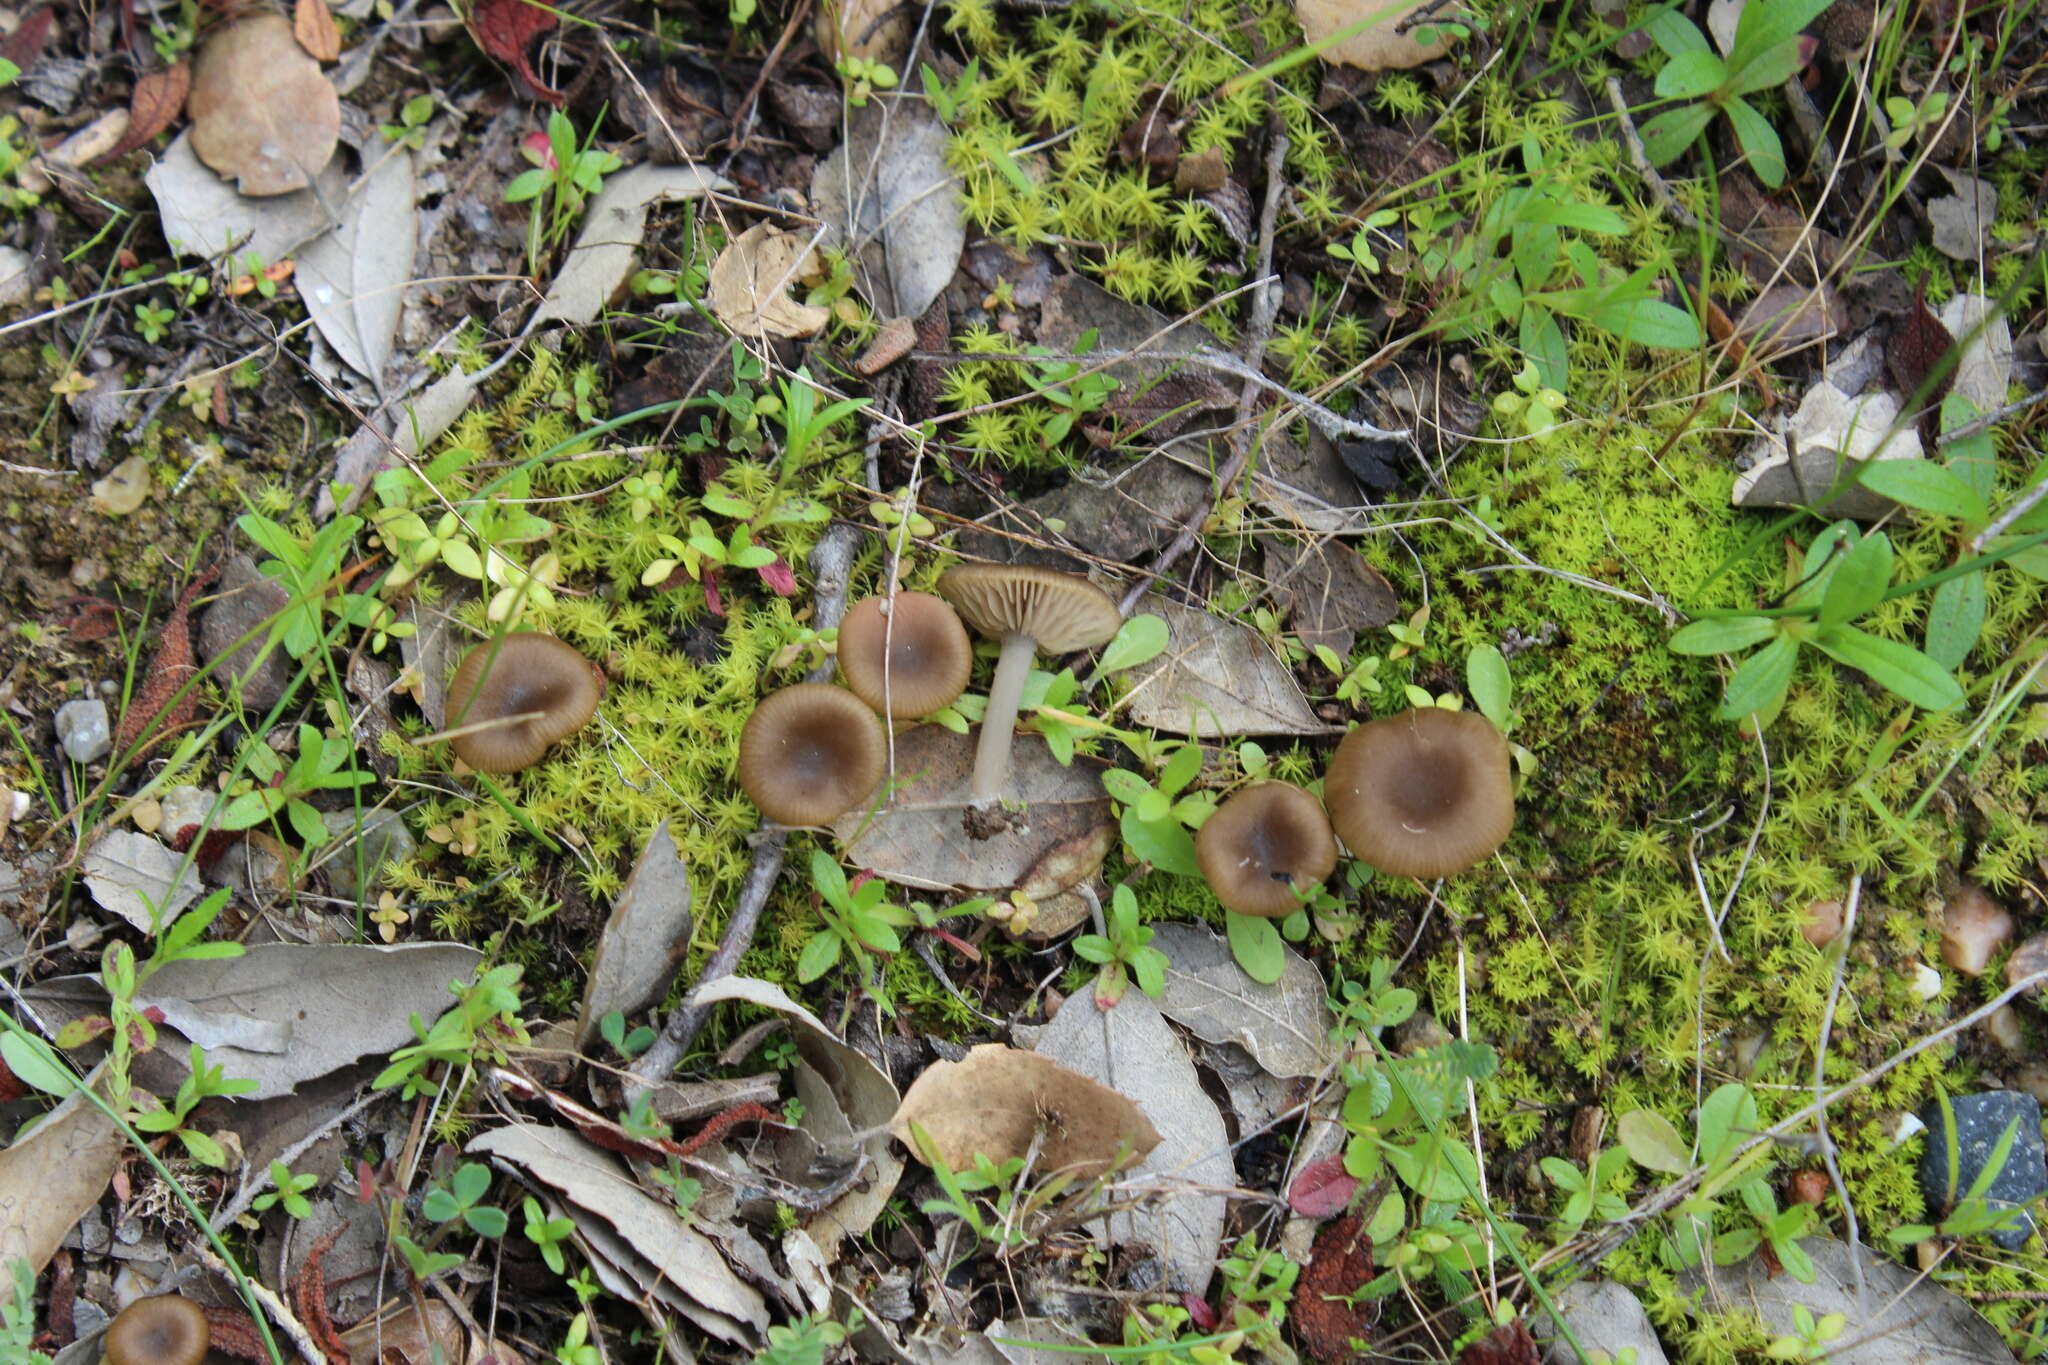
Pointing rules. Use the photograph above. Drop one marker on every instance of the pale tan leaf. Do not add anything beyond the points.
(51, 1177)
(1375, 37)
(262, 114)
(751, 279)
(313, 25)
(1216, 678)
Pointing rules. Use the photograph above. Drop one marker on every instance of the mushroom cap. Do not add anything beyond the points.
(1062, 611)
(1261, 844)
(810, 753)
(918, 645)
(165, 1329)
(1426, 793)
(531, 674)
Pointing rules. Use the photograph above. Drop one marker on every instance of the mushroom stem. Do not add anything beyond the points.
(999, 722)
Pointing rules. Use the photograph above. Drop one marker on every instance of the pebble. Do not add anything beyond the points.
(383, 838)
(147, 815)
(1605, 1317)
(16, 284)
(84, 731)
(183, 808)
(1980, 1121)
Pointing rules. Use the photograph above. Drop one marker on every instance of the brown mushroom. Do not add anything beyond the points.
(1426, 793)
(512, 697)
(1264, 844)
(1028, 609)
(810, 753)
(905, 656)
(165, 1329)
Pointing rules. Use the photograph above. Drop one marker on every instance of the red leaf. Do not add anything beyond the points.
(1509, 1345)
(1201, 1315)
(1339, 1264)
(1916, 348)
(1322, 1189)
(779, 577)
(713, 603)
(25, 44)
(506, 29)
(158, 99)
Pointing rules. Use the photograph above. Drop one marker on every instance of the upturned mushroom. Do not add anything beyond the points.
(1426, 793)
(1262, 846)
(905, 656)
(810, 753)
(1028, 609)
(164, 1329)
(511, 698)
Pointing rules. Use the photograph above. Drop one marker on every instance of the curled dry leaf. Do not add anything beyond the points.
(313, 26)
(996, 1100)
(888, 198)
(352, 280)
(262, 114)
(643, 940)
(506, 29)
(52, 1176)
(750, 283)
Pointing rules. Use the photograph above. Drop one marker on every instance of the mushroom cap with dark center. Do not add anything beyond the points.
(918, 648)
(1261, 844)
(810, 753)
(1426, 793)
(165, 1329)
(1062, 611)
(538, 677)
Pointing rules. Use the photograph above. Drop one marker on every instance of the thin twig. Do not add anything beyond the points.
(1640, 159)
(278, 1311)
(1820, 1064)
(831, 564)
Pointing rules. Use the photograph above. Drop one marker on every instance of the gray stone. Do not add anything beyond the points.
(1606, 1319)
(246, 604)
(84, 731)
(16, 284)
(382, 838)
(1980, 1121)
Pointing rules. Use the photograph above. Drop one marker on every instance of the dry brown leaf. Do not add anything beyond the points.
(1382, 44)
(313, 26)
(52, 1176)
(996, 1100)
(158, 99)
(262, 114)
(750, 283)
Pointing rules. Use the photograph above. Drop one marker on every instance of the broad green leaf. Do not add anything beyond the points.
(1165, 844)
(1859, 581)
(1771, 67)
(1652, 1142)
(1486, 678)
(2033, 562)
(1184, 767)
(1970, 458)
(1256, 945)
(1572, 214)
(1543, 343)
(1761, 680)
(1723, 635)
(1139, 640)
(1756, 136)
(818, 956)
(1727, 1109)
(1926, 487)
(1124, 786)
(1675, 33)
(1898, 668)
(1647, 322)
(1767, 23)
(827, 877)
(31, 1065)
(1955, 618)
(1691, 74)
(1667, 135)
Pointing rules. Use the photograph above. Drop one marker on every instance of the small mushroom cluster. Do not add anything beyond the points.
(811, 752)
(1426, 793)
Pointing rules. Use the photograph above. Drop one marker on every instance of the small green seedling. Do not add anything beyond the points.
(858, 921)
(613, 1029)
(459, 1199)
(410, 131)
(1123, 952)
(547, 1234)
(322, 764)
(287, 1190)
(1766, 52)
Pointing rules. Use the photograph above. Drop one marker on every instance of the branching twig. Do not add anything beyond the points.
(831, 562)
